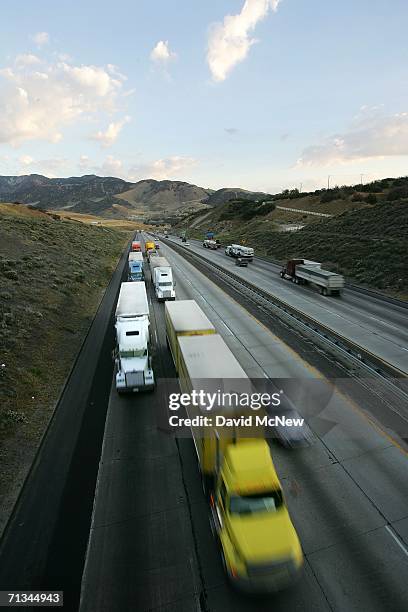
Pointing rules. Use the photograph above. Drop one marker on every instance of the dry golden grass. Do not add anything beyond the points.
(20, 210)
(123, 224)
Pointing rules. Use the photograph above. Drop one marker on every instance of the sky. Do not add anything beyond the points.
(259, 94)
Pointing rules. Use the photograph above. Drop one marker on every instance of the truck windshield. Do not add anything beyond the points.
(127, 353)
(165, 284)
(267, 501)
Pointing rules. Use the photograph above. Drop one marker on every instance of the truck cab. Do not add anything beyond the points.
(135, 271)
(149, 246)
(133, 361)
(260, 548)
(164, 284)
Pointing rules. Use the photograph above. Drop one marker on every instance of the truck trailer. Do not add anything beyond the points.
(304, 271)
(132, 354)
(162, 278)
(259, 546)
(237, 250)
(184, 318)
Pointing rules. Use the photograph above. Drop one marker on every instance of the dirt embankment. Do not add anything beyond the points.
(52, 276)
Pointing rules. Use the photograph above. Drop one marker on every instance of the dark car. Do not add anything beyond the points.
(295, 434)
(241, 262)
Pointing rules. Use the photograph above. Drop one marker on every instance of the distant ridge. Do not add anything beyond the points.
(114, 197)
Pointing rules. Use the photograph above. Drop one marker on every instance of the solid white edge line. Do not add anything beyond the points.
(396, 539)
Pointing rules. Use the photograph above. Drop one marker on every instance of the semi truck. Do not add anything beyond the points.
(184, 318)
(135, 266)
(210, 244)
(304, 271)
(259, 545)
(237, 250)
(149, 246)
(132, 353)
(162, 279)
(136, 246)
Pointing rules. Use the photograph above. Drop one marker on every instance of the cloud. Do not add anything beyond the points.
(374, 136)
(109, 167)
(162, 169)
(84, 163)
(161, 53)
(229, 42)
(41, 38)
(27, 59)
(109, 136)
(26, 160)
(231, 131)
(48, 167)
(38, 105)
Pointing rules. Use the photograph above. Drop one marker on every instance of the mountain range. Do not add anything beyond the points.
(113, 197)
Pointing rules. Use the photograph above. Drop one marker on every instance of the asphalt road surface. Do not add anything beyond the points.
(150, 545)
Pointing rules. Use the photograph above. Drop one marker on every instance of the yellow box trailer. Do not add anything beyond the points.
(184, 318)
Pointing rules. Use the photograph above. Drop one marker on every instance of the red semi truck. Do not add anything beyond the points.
(136, 246)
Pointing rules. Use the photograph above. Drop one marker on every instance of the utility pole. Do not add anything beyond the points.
(300, 189)
(328, 181)
(361, 178)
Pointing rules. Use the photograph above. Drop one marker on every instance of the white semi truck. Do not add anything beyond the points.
(132, 354)
(237, 250)
(304, 271)
(162, 279)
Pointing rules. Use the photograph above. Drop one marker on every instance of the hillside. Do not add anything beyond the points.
(365, 238)
(111, 197)
(52, 276)
(152, 197)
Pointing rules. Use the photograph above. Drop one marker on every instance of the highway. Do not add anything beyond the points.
(377, 325)
(151, 546)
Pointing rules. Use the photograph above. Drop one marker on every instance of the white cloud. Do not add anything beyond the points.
(84, 163)
(48, 167)
(108, 137)
(92, 79)
(27, 59)
(374, 136)
(26, 160)
(229, 42)
(38, 105)
(161, 169)
(111, 167)
(41, 38)
(161, 52)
